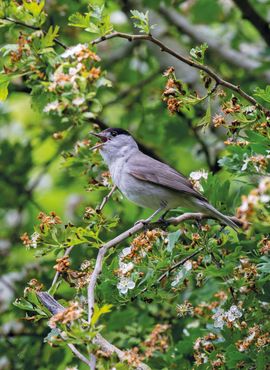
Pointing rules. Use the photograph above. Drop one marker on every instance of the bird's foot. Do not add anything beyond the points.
(163, 221)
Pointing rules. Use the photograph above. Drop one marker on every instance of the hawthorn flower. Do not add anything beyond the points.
(125, 284)
(222, 317)
(51, 106)
(78, 101)
(34, 239)
(233, 313)
(185, 309)
(68, 315)
(195, 178)
(124, 268)
(73, 51)
(125, 252)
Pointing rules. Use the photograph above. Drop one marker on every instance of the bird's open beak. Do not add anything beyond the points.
(103, 139)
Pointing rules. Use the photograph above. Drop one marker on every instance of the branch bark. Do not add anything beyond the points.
(219, 80)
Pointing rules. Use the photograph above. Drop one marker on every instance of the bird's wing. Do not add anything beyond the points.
(148, 169)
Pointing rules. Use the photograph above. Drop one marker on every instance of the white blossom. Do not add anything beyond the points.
(73, 51)
(51, 106)
(125, 252)
(125, 267)
(78, 101)
(125, 284)
(219, 318)
(34, 239)
(198, 175)
(233, 313)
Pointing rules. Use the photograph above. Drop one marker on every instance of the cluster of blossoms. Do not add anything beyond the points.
(173, 90)
(254, 337)
(222, 317)
(134, 254)
(264, 245)
(259, 162)
(48, 221)
(203, 346)
(31, 242)
(248, 271)
(78, 278)
(158, 340)
(68, 315)
(253, 203)
(76, 74)
(195, 178)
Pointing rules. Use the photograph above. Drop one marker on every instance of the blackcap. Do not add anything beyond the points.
(147, 181)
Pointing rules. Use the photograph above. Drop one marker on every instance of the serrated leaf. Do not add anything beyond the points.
(48, 39)
(263, 93)
(198, 52)
(141, 21)
(79, 20)
(34, 7)
(100, 311)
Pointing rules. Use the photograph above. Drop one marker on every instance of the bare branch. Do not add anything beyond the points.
(219, 80)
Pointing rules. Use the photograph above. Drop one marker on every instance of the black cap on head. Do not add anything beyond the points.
(117, 131)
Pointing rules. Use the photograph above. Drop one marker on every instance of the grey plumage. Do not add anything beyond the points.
(148, 182)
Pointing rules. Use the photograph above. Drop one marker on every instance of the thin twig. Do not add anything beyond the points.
(163, 47)
(105, 199)
(19, 23)
(126, 234)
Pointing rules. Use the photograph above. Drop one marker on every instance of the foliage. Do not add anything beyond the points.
(195, 295)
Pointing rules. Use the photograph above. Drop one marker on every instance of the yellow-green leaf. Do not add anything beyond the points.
(100, 311)
(4, 82)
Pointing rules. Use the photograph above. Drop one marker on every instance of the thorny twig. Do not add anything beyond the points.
(219, 80)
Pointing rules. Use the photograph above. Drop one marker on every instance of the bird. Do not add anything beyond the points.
(148, 182)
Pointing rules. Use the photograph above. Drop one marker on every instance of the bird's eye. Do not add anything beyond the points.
(114, 133)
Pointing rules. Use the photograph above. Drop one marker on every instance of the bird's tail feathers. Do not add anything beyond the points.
(215, 213)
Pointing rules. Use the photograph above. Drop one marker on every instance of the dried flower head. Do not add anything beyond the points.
(68, 315)
(48, 221)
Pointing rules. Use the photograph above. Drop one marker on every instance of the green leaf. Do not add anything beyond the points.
(207, 118)
(34, 7)
(173, 237)
(23, 304)
(48, 39)
(4, 82)
(198, 52)
(141, 21)
(100, 311)
(263, 93)
(79, 20)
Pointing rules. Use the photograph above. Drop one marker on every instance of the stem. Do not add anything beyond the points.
(219, 80)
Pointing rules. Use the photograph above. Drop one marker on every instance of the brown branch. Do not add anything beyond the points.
(19, 23)
(249, 13)
(54, 307)
(219, 80)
